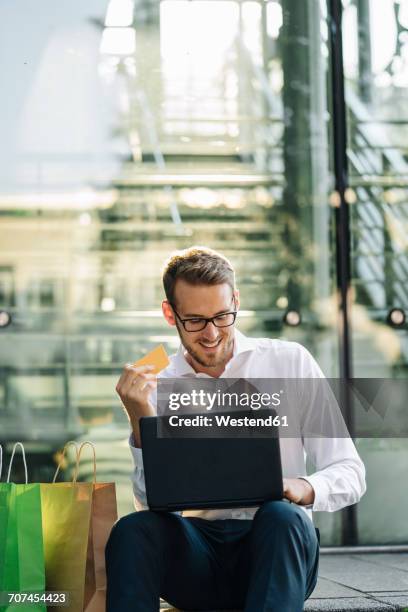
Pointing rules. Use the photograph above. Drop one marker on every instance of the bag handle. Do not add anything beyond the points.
(87, 443)
(67, 445)
(12, 459)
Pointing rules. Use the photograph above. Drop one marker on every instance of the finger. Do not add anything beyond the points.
(130, 373)
(141, 368)
(136, 390)
(148, 376)
(288, 493)
(147, 389)
(121, 380)
(140, 382)
(122, 383)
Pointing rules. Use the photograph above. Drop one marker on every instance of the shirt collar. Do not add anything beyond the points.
(180, 367)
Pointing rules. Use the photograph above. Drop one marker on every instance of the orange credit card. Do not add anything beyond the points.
(157, 357)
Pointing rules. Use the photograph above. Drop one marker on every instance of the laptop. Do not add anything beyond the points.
(209, 473)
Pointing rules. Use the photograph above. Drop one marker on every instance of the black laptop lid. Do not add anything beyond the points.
(205, 473)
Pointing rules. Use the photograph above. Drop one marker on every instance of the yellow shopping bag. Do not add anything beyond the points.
(77, 520)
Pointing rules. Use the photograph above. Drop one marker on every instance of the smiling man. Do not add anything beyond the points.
(210, 348)
(252, 559)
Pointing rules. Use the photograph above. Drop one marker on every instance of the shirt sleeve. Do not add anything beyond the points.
(339, 479)
(138, 478)
(138, 475)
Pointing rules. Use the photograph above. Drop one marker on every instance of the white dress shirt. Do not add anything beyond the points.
(339, 476)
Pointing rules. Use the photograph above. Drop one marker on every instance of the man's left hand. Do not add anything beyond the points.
(298, 491)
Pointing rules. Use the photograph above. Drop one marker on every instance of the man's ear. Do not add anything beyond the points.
(168, 313)
(236, 298)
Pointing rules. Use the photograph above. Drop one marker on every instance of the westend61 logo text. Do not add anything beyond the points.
(222, 399)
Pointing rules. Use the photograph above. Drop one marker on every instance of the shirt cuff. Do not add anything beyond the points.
(320, 491)
(137, 453)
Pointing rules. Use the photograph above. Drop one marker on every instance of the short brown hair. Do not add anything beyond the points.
(197, 265)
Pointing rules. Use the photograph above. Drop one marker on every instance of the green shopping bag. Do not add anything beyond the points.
(21, 542)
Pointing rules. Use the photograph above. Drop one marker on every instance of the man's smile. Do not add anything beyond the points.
(210, 346)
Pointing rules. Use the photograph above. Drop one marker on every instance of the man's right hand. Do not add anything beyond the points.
(134, 388)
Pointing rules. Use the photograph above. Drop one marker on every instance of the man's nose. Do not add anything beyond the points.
(210, 331)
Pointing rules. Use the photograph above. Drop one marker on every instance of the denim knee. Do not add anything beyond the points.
(133, 525)
(283, 514)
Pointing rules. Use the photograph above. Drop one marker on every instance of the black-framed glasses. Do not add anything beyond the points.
(195, 324)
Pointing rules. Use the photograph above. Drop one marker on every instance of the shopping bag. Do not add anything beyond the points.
(77, 520)
(21, 544)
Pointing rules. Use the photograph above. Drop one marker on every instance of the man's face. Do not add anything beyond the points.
(211, 347)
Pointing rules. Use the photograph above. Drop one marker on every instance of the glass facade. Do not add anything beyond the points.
(375, 91)
(131, 129)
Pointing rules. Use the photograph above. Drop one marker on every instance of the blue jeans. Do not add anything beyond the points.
(269, 563)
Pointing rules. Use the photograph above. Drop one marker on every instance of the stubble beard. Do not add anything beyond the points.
(212, 361)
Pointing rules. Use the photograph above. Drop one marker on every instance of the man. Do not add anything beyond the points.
(252, 559)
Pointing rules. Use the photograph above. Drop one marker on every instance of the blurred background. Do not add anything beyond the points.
(130, 128)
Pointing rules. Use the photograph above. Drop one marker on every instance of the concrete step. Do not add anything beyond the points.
(356, 582)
